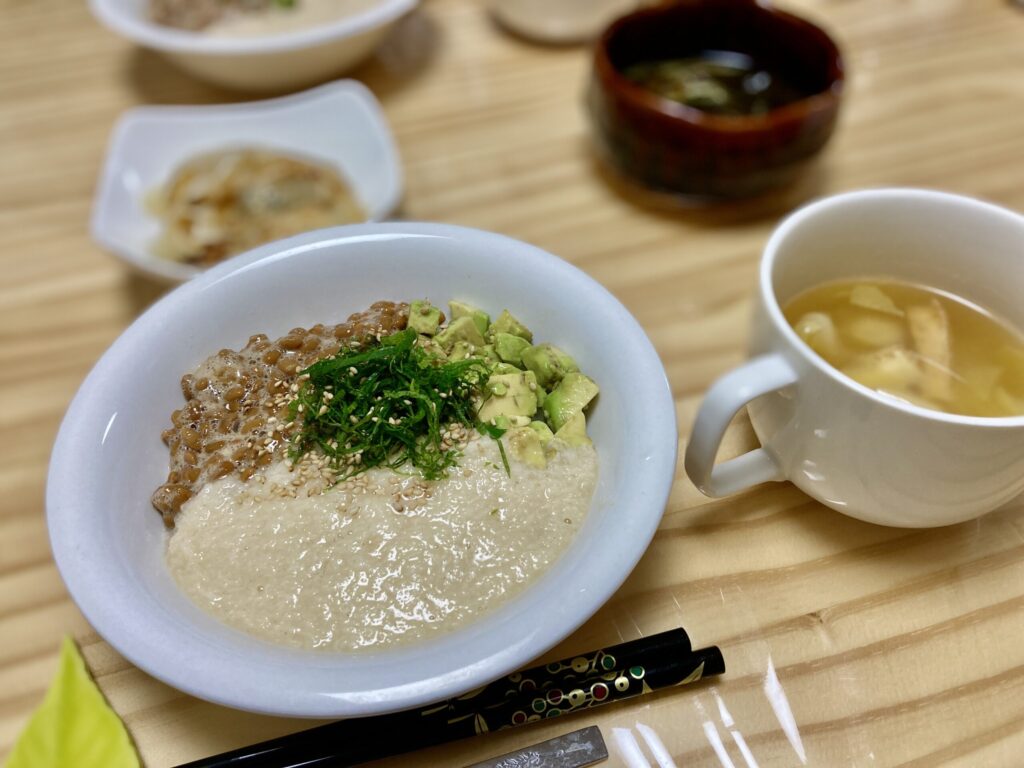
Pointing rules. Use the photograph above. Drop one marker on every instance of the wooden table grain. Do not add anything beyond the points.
(847, 643)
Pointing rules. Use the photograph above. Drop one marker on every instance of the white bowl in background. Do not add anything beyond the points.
(109, 542)
(340, 124)
(288, 60)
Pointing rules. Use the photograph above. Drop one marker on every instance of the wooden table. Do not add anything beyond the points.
(847, 643)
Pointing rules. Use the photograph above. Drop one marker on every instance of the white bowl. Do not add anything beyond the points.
(109, 542)
(340, 124)
(273, 62)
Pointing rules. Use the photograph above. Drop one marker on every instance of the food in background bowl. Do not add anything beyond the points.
(378, 481)
(222, 203)
(716, 82)
(252, 17)
(278, 59)
(709, 100)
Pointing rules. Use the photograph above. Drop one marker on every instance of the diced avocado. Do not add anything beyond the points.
(508, 422)
(507, 323)
(549, 363)
(509, 394)
(510, 348)
(543, 431)
(487, 353)
(574, 431)
(424, 317)
(430, 346)
(462, 329)
(571, 396)
(480, 318)
(460, 350)
(505, 368)
(525, 446)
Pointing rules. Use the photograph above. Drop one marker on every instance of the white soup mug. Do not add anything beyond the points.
(851, 448)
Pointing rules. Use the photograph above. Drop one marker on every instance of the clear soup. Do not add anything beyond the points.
(916, 344)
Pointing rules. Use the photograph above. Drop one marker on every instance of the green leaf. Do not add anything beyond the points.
(74, 726)
(385, 406)
(504, 458)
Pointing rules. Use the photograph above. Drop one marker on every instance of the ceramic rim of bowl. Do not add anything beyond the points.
(174, 40)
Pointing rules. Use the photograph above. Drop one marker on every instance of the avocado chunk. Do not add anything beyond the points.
(506, 368)
(460, 350)
(509, 394)
(549, 363)
(571, 396)
(509, 422)
(480, 318)
(462, 329)
(574, 431)
(487, 353)
(507, 323)
(429, 345)
(424, 317)
(525, 446)
(510, 348)
(543, 431)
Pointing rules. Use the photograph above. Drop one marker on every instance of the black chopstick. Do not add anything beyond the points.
(550, 690)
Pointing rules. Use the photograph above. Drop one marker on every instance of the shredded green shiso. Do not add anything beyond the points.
(387, 406)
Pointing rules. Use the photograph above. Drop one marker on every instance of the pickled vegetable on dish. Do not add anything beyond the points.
(222, 203)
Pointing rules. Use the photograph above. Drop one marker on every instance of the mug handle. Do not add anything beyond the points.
(726, 396)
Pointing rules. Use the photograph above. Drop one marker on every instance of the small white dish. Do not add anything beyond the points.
(109, 542)
(272, 62)
(559, 22)
(340, 124)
